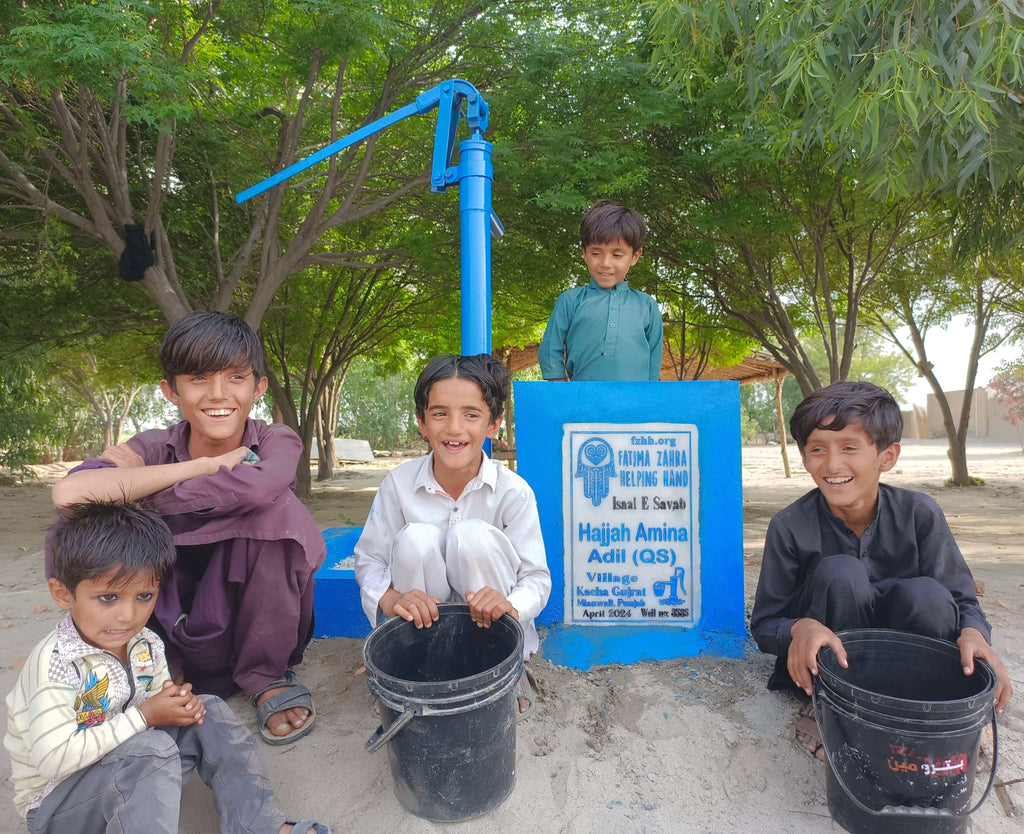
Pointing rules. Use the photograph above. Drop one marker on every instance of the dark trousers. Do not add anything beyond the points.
(839, 594)
(241, 617)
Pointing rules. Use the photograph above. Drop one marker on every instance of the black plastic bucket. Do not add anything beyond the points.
(448, 710)
(901, 729)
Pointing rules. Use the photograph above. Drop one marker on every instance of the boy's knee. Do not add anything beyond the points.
(147, 773)
(221, 716)
(473, 543)
(921, 605)
(215, 707)
(221, 725)
(152, 743)
(472, 535)
(417, 541)
(920, 591)
(843, 574)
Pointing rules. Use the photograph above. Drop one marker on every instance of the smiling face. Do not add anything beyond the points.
(846, 466)
(609, 262)
(109, 614)
(455, 423)
(216, 405)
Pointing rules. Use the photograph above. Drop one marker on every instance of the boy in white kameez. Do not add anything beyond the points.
(454, 525)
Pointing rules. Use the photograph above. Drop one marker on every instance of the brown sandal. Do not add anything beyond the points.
(525, 692)
(808, 737)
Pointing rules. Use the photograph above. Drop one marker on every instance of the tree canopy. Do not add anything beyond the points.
(798, 165)
(917, 93)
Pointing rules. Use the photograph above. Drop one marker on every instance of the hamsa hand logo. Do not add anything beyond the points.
(595, 464)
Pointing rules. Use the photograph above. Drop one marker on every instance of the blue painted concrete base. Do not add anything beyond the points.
(336, 607)
(582, 647)
(543, 411)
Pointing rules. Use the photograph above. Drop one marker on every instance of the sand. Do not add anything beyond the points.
(687, 745)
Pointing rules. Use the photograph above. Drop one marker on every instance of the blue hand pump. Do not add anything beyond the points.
(473, 174)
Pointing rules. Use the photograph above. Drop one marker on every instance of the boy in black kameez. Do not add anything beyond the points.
(854, 553)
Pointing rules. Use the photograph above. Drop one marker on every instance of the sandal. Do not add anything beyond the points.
(808, 737)
(525, 692)
(308, 826)
(295, 695)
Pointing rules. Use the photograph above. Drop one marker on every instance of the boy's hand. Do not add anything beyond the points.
(415, 606)
(487, 605)
(122, 455)
(973, 644)
(173, 705)
(229, 459)
(808, 636)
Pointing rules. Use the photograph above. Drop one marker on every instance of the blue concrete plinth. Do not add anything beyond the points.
(708, 411)
(582, 647)
(336, 606)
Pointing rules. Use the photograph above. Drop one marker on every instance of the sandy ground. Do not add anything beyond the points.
(687, 745)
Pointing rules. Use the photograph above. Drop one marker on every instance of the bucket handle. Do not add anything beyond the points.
(907, 810)
(381, 736)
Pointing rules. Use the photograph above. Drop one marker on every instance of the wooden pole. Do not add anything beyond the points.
(509, 422)
(781, 424)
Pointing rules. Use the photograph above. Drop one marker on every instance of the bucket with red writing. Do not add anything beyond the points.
(901, 728)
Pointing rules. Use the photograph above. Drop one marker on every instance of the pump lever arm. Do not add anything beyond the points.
(447, 96)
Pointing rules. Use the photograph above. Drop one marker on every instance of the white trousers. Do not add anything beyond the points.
(447, 563)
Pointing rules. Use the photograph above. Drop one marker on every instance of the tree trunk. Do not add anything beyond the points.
(324, 452)
(958, 461)
(956, 432)
(957, 451)
(324, 442)
(303, 478)
(327, 428)
(284, 412)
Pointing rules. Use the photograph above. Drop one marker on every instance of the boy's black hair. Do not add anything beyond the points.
(205, 342)
(483, 369)
(606, 221)
(89, 540)
(842, 403)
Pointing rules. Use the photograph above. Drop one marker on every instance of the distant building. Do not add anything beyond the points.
(915, 423)
(989, 418)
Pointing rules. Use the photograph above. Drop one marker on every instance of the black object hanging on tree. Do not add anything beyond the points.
(137, 256)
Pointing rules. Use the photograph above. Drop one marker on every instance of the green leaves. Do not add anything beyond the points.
(115, 48)
(904, 85)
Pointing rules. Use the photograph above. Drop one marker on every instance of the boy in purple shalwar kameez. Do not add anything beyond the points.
(237, 611)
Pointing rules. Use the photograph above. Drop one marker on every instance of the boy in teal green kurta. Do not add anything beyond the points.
(605, 330)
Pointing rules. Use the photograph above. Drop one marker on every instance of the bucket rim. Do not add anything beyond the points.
(392, 623)
(971, 722)
(830, 680)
